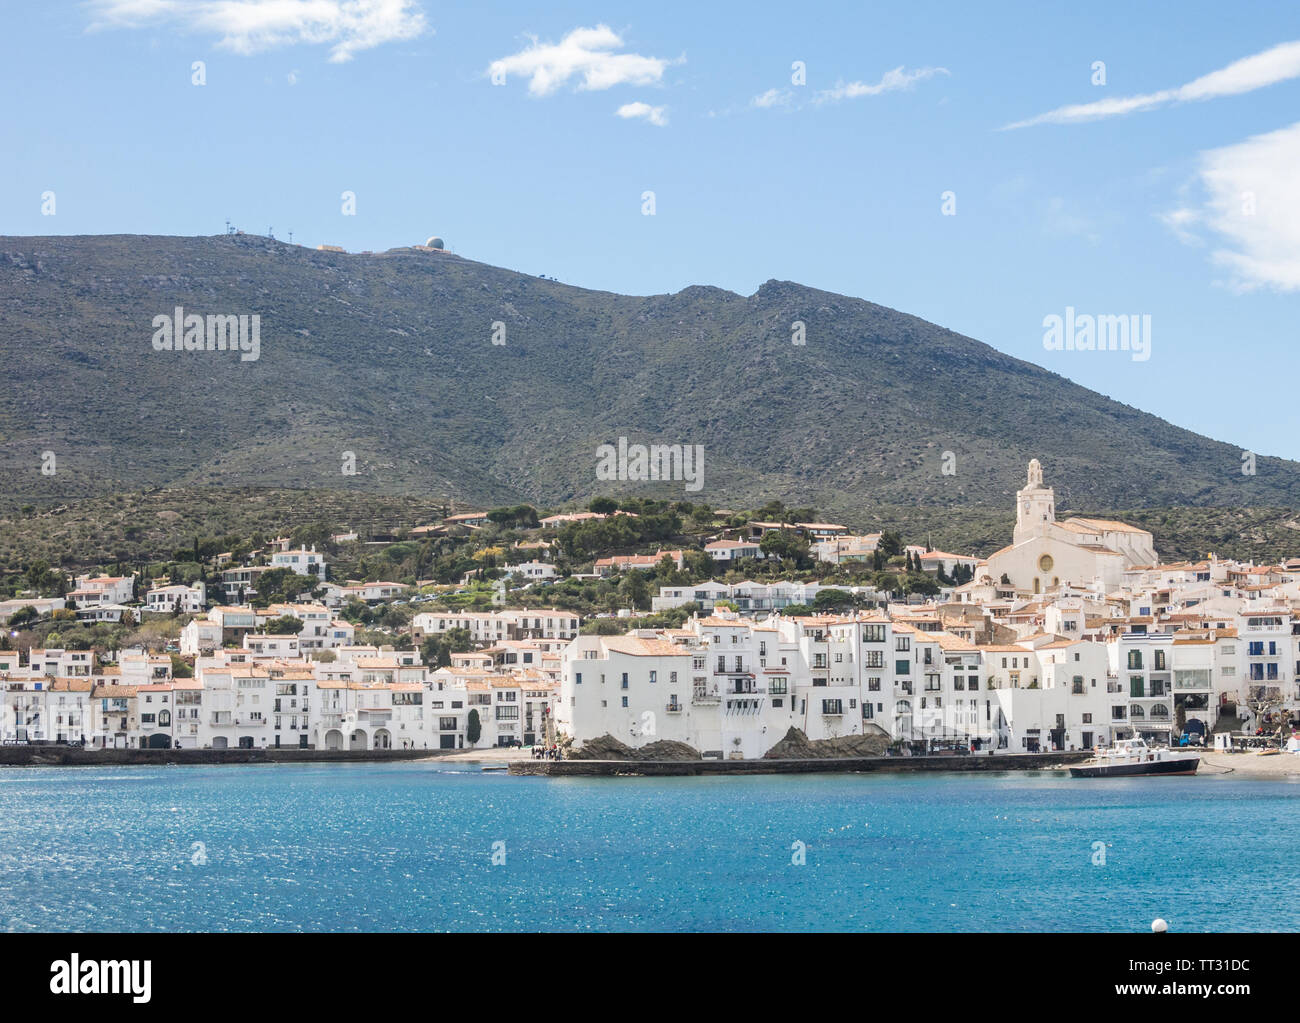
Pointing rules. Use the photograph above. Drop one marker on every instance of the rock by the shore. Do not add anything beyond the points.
(795, 745)
(606, 747)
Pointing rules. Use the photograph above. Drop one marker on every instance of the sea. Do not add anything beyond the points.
(433, 846)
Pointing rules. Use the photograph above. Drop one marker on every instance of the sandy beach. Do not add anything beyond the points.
(487, 755)
(1249, 765)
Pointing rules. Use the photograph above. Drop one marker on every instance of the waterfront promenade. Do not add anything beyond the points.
(819, 765)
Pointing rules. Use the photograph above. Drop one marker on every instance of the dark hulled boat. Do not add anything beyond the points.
(1132, 757)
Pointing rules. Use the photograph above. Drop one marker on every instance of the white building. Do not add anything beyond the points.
(185, 599)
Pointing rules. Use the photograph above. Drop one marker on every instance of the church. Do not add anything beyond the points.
(1045, 554)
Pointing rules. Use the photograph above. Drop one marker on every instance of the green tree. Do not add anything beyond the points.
(285, 625)
(634, 590)
(832, 599)
(23, 616)
(473, 727)
(437, 650)
(784, 544)
(603, 505)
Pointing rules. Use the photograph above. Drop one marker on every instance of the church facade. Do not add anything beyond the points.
(1045, 554)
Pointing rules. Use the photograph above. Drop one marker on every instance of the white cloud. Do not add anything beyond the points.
(773, 98)
(1251, 210)
(655, 115)
(585, 53)
(1278, 64)
(893, 81)
(251, 26)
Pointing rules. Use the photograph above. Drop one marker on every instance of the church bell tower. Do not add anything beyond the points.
(1035, 506)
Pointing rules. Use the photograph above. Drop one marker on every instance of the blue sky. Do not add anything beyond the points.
(1169, 193)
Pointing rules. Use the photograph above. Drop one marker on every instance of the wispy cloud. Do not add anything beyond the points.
(654, 115)
(893, 81)
(1278, 64)
(1250, 210)
(251, 26)
(587, 54)
(773, 98)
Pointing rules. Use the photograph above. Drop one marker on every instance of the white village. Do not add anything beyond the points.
(1071, 638)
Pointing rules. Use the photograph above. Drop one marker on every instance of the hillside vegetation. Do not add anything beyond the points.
(390, 357)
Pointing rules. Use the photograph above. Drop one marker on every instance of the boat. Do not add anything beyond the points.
(1130, 757)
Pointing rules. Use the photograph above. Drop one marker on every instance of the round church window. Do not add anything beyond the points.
(1045, 563)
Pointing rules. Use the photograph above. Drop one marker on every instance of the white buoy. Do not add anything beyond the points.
(1159, 926)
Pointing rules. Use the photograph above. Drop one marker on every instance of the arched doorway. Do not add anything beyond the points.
(333, 739)
(220, 742)
(383, 740)
(358, 740)
(158, 740)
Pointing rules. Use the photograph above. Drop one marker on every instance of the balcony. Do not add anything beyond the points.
(674, 708)
(705, 697)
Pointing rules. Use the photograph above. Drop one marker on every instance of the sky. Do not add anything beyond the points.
(986, 169)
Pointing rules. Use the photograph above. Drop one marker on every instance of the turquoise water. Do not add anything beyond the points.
(410, 847)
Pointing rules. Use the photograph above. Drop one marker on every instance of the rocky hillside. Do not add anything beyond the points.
(391, 357)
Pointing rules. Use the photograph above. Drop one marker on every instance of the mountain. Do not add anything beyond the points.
(390, 356)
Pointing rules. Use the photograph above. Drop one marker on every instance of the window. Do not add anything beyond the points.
(654, 676)
(577, 678)
(1135, 659)
(873, 634)
(624, 686)
(902, 667)
(902, 643)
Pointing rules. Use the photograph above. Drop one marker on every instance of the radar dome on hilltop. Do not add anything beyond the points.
(434, 243)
